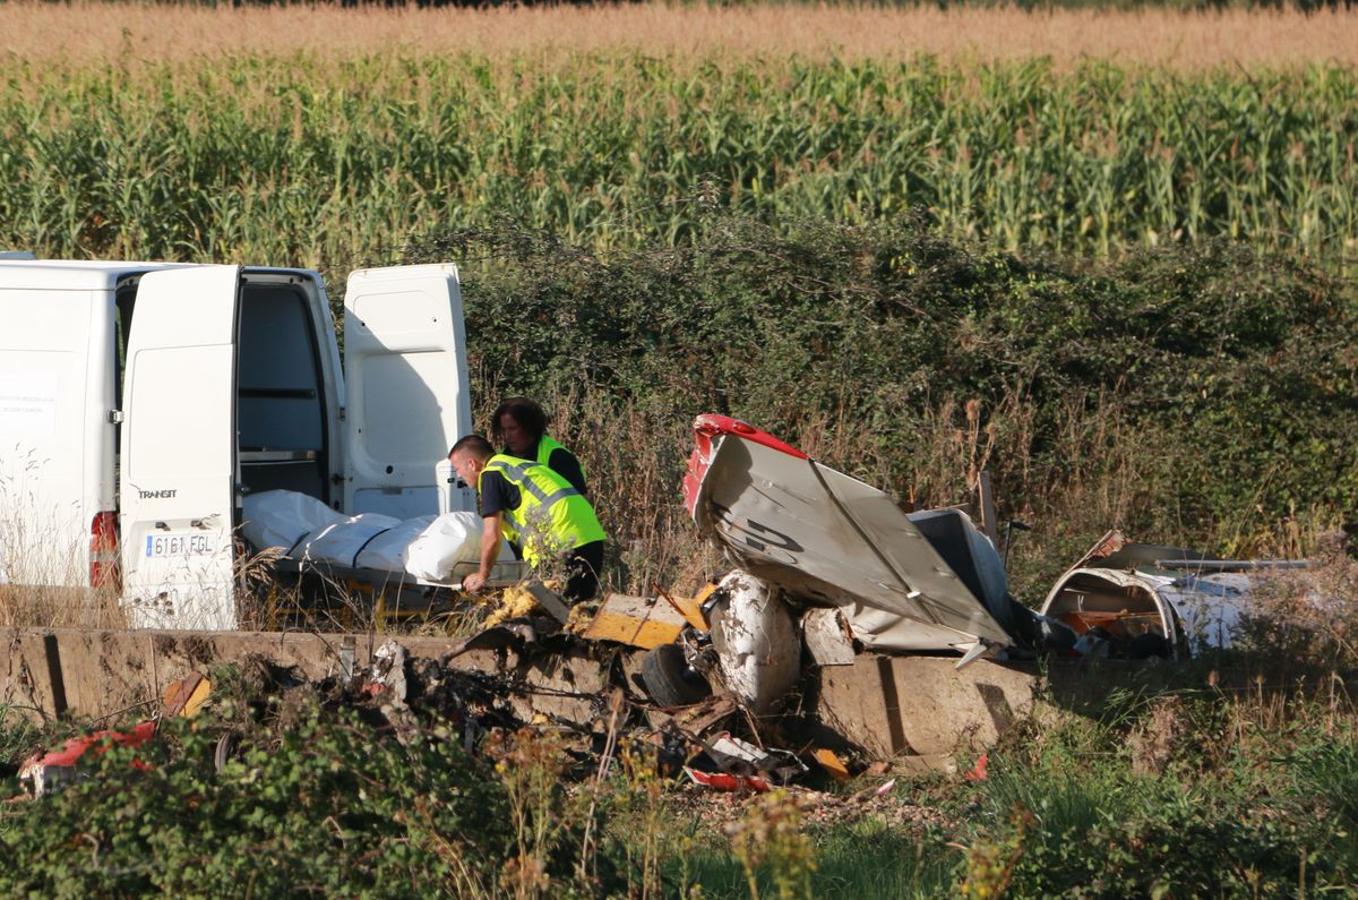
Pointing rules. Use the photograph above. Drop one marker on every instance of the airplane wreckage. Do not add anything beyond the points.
(848, 629)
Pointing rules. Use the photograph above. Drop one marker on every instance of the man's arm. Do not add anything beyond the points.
(490, 552)
(490, 544)
(493, 500)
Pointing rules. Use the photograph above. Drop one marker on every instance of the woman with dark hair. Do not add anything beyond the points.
(520, 426)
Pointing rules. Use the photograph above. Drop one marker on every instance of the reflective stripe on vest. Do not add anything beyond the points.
(518, 476)
(568, 520)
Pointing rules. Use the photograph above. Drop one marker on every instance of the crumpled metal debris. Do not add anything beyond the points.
(725, 781)
(389, 671)
(45, 771)
(731, 754)
(742, 766)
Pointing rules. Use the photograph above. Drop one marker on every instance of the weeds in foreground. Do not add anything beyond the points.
(530, 764)
(1253, 796)
(769, 837)
(323, 806)
(638, 804)
(1233, 804)
(990, 865)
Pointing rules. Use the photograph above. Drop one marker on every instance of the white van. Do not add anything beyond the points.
(139, 403)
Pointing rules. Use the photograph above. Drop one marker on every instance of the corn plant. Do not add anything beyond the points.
(316, 161)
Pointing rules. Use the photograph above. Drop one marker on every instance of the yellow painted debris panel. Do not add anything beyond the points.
(642, 622)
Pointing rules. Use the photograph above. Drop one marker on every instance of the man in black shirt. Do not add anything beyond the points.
(536, 510)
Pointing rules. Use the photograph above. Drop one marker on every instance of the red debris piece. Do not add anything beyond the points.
(722, 781)
(978, 772)
(100, 741)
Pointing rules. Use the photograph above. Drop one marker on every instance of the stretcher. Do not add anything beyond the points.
(385, 595)
(415, 565)
(503, 574)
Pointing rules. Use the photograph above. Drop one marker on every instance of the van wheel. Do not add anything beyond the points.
(668, 678)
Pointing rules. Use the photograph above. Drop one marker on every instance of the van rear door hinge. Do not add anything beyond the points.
(115, 416)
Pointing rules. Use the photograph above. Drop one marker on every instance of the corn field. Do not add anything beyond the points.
(318, 162)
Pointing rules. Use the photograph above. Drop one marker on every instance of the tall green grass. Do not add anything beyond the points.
(309, 161)
(1248, 799)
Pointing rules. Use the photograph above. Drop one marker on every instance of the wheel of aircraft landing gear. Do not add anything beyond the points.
(226, 750)
(668, 678)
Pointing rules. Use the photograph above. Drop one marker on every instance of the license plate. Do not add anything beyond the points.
(176, 546)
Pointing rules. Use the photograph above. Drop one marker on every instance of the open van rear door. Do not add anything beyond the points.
(177, 483)
(408, 398)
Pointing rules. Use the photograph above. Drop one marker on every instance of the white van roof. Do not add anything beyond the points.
(64, 274)
(97, 274)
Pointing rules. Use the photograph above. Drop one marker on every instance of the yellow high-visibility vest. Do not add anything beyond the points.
(552, 516)
(545, 447)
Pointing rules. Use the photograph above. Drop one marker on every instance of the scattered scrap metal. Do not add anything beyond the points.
(45, 771)
(837, 633)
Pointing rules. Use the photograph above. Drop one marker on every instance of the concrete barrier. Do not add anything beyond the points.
(91, 673)
(924, 705)
(94, 674)
(917, 706)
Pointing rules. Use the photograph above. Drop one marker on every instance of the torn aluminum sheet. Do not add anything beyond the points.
(739, 757)
(1141, 592)
(1184, 610)
(928, 581)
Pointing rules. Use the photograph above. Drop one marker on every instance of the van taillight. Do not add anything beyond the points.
(104, 550)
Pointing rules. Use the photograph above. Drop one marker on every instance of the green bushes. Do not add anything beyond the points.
(330, 807)
(1197, 394)
(1193, 793)
(1197, 792)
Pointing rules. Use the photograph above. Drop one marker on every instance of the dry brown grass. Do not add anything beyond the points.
(634, 459)
(55, 607)
(1308, 618)
(101, 33)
